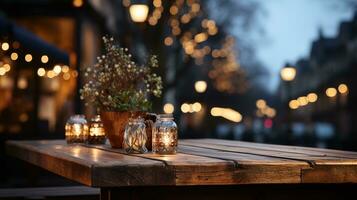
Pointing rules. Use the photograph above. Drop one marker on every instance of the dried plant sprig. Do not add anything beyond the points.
(116, 83)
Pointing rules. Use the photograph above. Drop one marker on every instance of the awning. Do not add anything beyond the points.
(30, 43)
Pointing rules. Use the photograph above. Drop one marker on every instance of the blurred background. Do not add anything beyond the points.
(277, 71)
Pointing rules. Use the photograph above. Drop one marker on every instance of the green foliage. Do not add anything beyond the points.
(116, 83)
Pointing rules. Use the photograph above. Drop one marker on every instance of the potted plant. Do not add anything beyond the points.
(119, 88)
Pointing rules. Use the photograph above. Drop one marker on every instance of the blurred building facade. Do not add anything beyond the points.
(328, 77)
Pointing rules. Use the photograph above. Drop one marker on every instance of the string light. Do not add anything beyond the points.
(57, 69)
(14, 56)
(342, 88)
(331, 92)
(168, 41)
(66, 76)
(77, 3)
(261, 103)
(303, 101)
(173, 10)
(44, 59)
(169, 108)
(7, 67)
(65, 69)
(41, 71)
(312, 97)
(185, 108)
(51, 74)
(200, 86)
(196, 107)
(294, 104)
(2, 71)
(28, 57)
(5, 46)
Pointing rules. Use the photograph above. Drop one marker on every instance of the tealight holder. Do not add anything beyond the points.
(135, 136)
(96, 131)
(164, 137)
(76, 129)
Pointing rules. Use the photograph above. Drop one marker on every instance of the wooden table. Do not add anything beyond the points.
(203, 168)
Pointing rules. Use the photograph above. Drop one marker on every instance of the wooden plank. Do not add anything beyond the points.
(198, 162)
(190, 169)
(285, 148)
(252, 169)
(312, 158)
(328, 166)
(90, 166)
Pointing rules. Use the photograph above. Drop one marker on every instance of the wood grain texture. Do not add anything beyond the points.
(327, 165)
(190, 169)
(91, 166)
(198, 162)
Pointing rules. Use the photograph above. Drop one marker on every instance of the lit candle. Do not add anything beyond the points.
(76, 129)
(164, 139)
(96, 131)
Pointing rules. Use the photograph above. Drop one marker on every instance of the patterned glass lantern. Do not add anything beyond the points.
(164, 137)
(76, 129)
(135, 136)
(96, 131)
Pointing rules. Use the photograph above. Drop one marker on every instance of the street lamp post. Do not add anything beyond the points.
(288, 74)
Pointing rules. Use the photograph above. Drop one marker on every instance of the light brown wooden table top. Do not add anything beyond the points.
(199, 162)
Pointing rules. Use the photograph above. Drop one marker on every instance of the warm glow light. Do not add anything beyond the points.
(201, 37)
(312, 97)
(342, 88)
(77, 3)
(185, 108)
(7, 67)
(331, 92)
(288, 73)
(44, 59)
(41, 71)
(5, 46)
(157, 3)
(196, 107)
(66, 76)
(303, 101)
(65, 69)
(271, 112)
(261, 103)
(51, 74)
(139, 12)
(294, 104)
(2, 71)
(22, 83)
(57, 69)
(200, 86)
(169, 108)
(173, 10)
(14, 56)
(28, 57)
(168, 41)
(226, 113)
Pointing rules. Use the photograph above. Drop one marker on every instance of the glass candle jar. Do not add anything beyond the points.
(96, 131)
(164, 137)
(76, 129)
(135, 136)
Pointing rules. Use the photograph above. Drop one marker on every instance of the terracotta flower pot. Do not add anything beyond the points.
(115, 122)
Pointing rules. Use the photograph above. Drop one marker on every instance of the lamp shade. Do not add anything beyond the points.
(139, 12)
